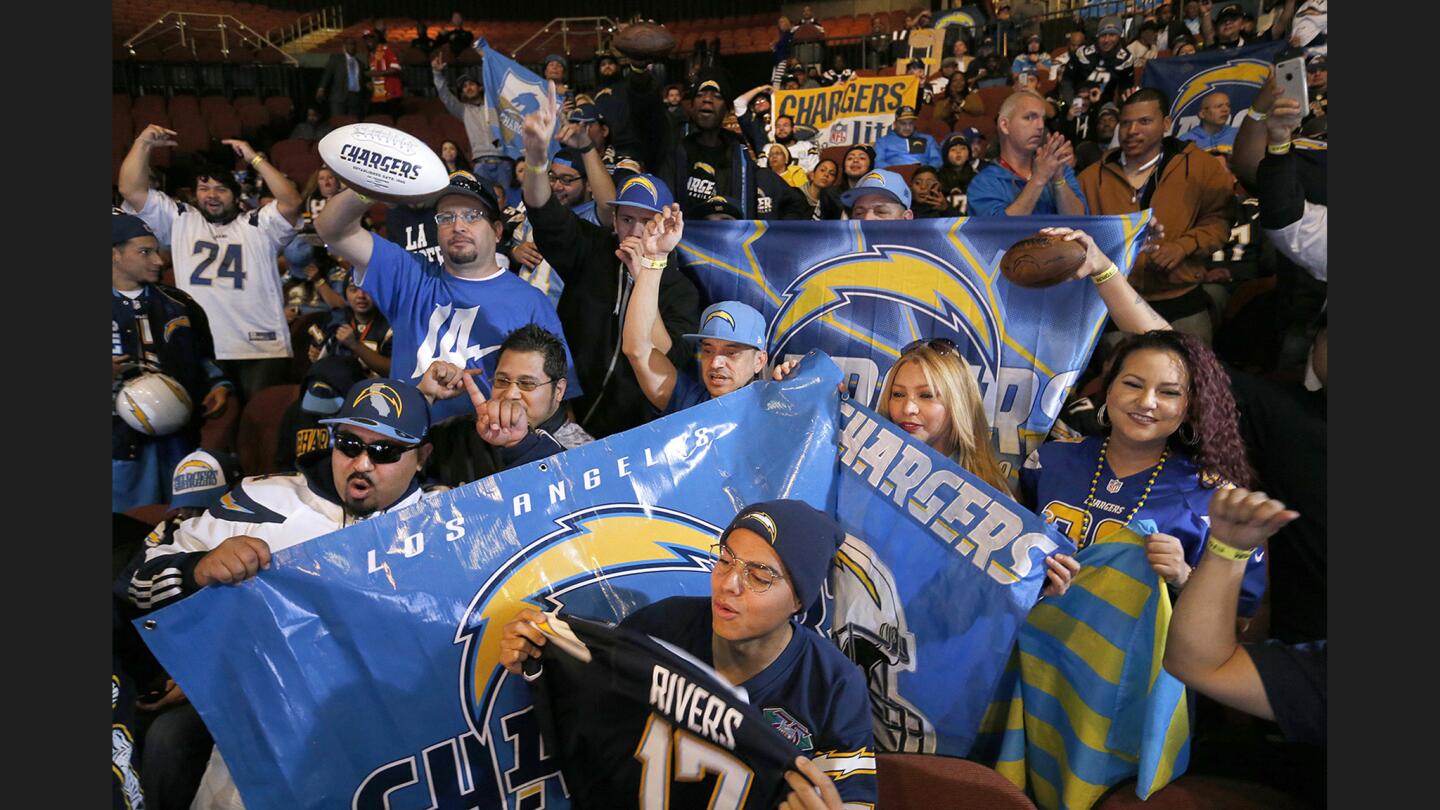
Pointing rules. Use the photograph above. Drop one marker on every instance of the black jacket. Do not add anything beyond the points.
(760, 192)
(592, 313)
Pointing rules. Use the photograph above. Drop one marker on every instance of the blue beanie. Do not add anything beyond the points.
(805, 539)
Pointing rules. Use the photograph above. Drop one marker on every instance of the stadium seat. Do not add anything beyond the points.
(343, 120)
(919, 780)
(183, 106)
(211, 105)
(218, 432)
(224, 124)
(993, 96)
(984, 123)
(120, 101)
(413, 123)
(280, 108)
(147, 107)
(905, 170)
(1197, 792)
(253, 120)
(936, 129)
(380, 118)
(259, 432)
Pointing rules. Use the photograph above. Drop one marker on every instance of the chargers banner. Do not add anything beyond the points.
(936, 576)
(857, 111)
(361, 670)
(513, 92)
(862, 291)
(1086, 703)
(1186, 80)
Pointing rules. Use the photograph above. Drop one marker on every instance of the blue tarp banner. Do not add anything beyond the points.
(513, 92)
(862, 291)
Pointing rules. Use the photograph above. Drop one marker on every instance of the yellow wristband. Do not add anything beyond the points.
(362, 197)
(1105, 275)
(1228, 552)
(654, 264)
(1279, 148)
(255, 161)
(541, 169)
(1255, 115)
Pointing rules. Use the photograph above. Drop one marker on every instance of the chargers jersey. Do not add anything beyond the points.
(641, 720)
(230, 270)
(1055, 484)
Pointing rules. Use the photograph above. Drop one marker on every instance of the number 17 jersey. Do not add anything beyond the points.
(230, 271)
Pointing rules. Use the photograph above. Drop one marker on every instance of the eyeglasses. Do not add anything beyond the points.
(524, 384)
(937, 345)
(379, 452)
(469, 216)
(758, 577)
(565, 181)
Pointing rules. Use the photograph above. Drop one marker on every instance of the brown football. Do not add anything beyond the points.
(644, 40)
(1042, 261)
(807, 33)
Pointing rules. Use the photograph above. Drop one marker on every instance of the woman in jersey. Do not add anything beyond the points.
(857, 162)
(771, 562)
(1174, 437)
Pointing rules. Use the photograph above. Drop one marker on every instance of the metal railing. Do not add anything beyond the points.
(187, 27)
(601, 28)
(326, 19)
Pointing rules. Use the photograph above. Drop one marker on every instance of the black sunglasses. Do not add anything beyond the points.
(937, 345)
(379, 452)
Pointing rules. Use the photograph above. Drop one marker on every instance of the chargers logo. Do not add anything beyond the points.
(1249, 73)
(518, 98)
(722, 315)
(912, 278)
(641, 182)
(382, 398)
(585, 565)
(174, 324)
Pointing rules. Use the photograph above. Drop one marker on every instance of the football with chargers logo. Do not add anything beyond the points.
(154, 404)
(384, 163)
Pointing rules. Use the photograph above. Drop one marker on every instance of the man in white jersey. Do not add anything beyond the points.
(223, 260)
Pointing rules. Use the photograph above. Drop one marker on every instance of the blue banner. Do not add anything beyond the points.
(360, 670)
(936, 576)
(512, 91)
(1186, 80)
(862, 291)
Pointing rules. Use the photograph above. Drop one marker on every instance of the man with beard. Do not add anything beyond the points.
(1033, 175)
(630, 104)
(223, 260)
(458, 311)
(378, 447)
(711, 161)
(806, 153)
(1090, 149)
(481, 122)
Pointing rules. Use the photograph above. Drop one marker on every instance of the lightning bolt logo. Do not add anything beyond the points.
(1236, 72)
(904, 275)
(140, 416)
(722, 315)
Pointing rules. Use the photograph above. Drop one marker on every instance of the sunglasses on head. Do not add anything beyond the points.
(379, 452)
(937, 345)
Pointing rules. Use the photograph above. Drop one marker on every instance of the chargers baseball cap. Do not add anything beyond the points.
(465, 184)
(643, 191)
(905, 112)
(804, 538)
(880, 181)
(202, 477)
(585, 112)
(1231, 10)
(715, 205)
(972, 134)
(732, 321)
(124, 227)
(387, 406)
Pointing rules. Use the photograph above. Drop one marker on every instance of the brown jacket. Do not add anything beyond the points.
(1194, 201)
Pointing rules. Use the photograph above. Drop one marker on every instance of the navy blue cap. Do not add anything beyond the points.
(972, 134)
(387, 406)
(585, 112)
(124, 227)
(804, 538)
(326, 382)
(715, 205)
(643, 191)
(555, 57)
(880, 181)
(732, 321)
(465, 184)
(570, 159)
(202, 477)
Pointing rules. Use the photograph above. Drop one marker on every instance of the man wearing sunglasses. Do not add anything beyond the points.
(459, 311)
(770, 564)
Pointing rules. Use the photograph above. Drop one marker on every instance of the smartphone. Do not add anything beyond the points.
(1290, 77)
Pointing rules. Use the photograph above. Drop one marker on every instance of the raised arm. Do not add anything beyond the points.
(536, 131)
(1201, 649)
(287, 197)
(1127, 309)
(653, 370)
(602, 186)
(442, 88)
(134, 180)
(339, 225)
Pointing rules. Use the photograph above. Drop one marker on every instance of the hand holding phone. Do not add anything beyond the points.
(1290, 80)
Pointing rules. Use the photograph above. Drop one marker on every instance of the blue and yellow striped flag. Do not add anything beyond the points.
(1085, 703)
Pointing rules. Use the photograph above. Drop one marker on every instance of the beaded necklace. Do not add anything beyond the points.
(1095, 482)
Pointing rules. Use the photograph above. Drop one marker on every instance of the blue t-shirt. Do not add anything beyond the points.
(1222, 142)
(687, 393)
(995, 187)
(812, 694)
(1055, 482)
(438, 316)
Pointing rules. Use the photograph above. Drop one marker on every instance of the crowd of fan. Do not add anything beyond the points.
(565, 267)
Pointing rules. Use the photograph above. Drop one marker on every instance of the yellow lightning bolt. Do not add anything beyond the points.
(1244, 71)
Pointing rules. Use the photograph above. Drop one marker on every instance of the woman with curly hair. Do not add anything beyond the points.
(452, 154)
(1174, 437)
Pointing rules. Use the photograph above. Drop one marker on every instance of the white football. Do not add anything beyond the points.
(383, 162)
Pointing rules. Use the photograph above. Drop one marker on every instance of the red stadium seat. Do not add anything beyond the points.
(259, 433)
(253, 119)
(224, 124)
(984, 123)
(343, 120)
(935, 129)
(120, 101)
(280, 108)
(184, 105)
(148, 107)
(244, 102)
(218, 431)
(380, 118)
(994, 96)
(1193, 791)
(413, 123)
(919, 780)
(210, 105)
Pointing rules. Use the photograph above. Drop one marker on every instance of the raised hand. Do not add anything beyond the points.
(1243, 519)
(1284, 119)
(443, 380)
(242, 148)
(663, 231)
(575, 136)
(501, 422)
(1095, 260)
(538, 127)
(156, 135)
